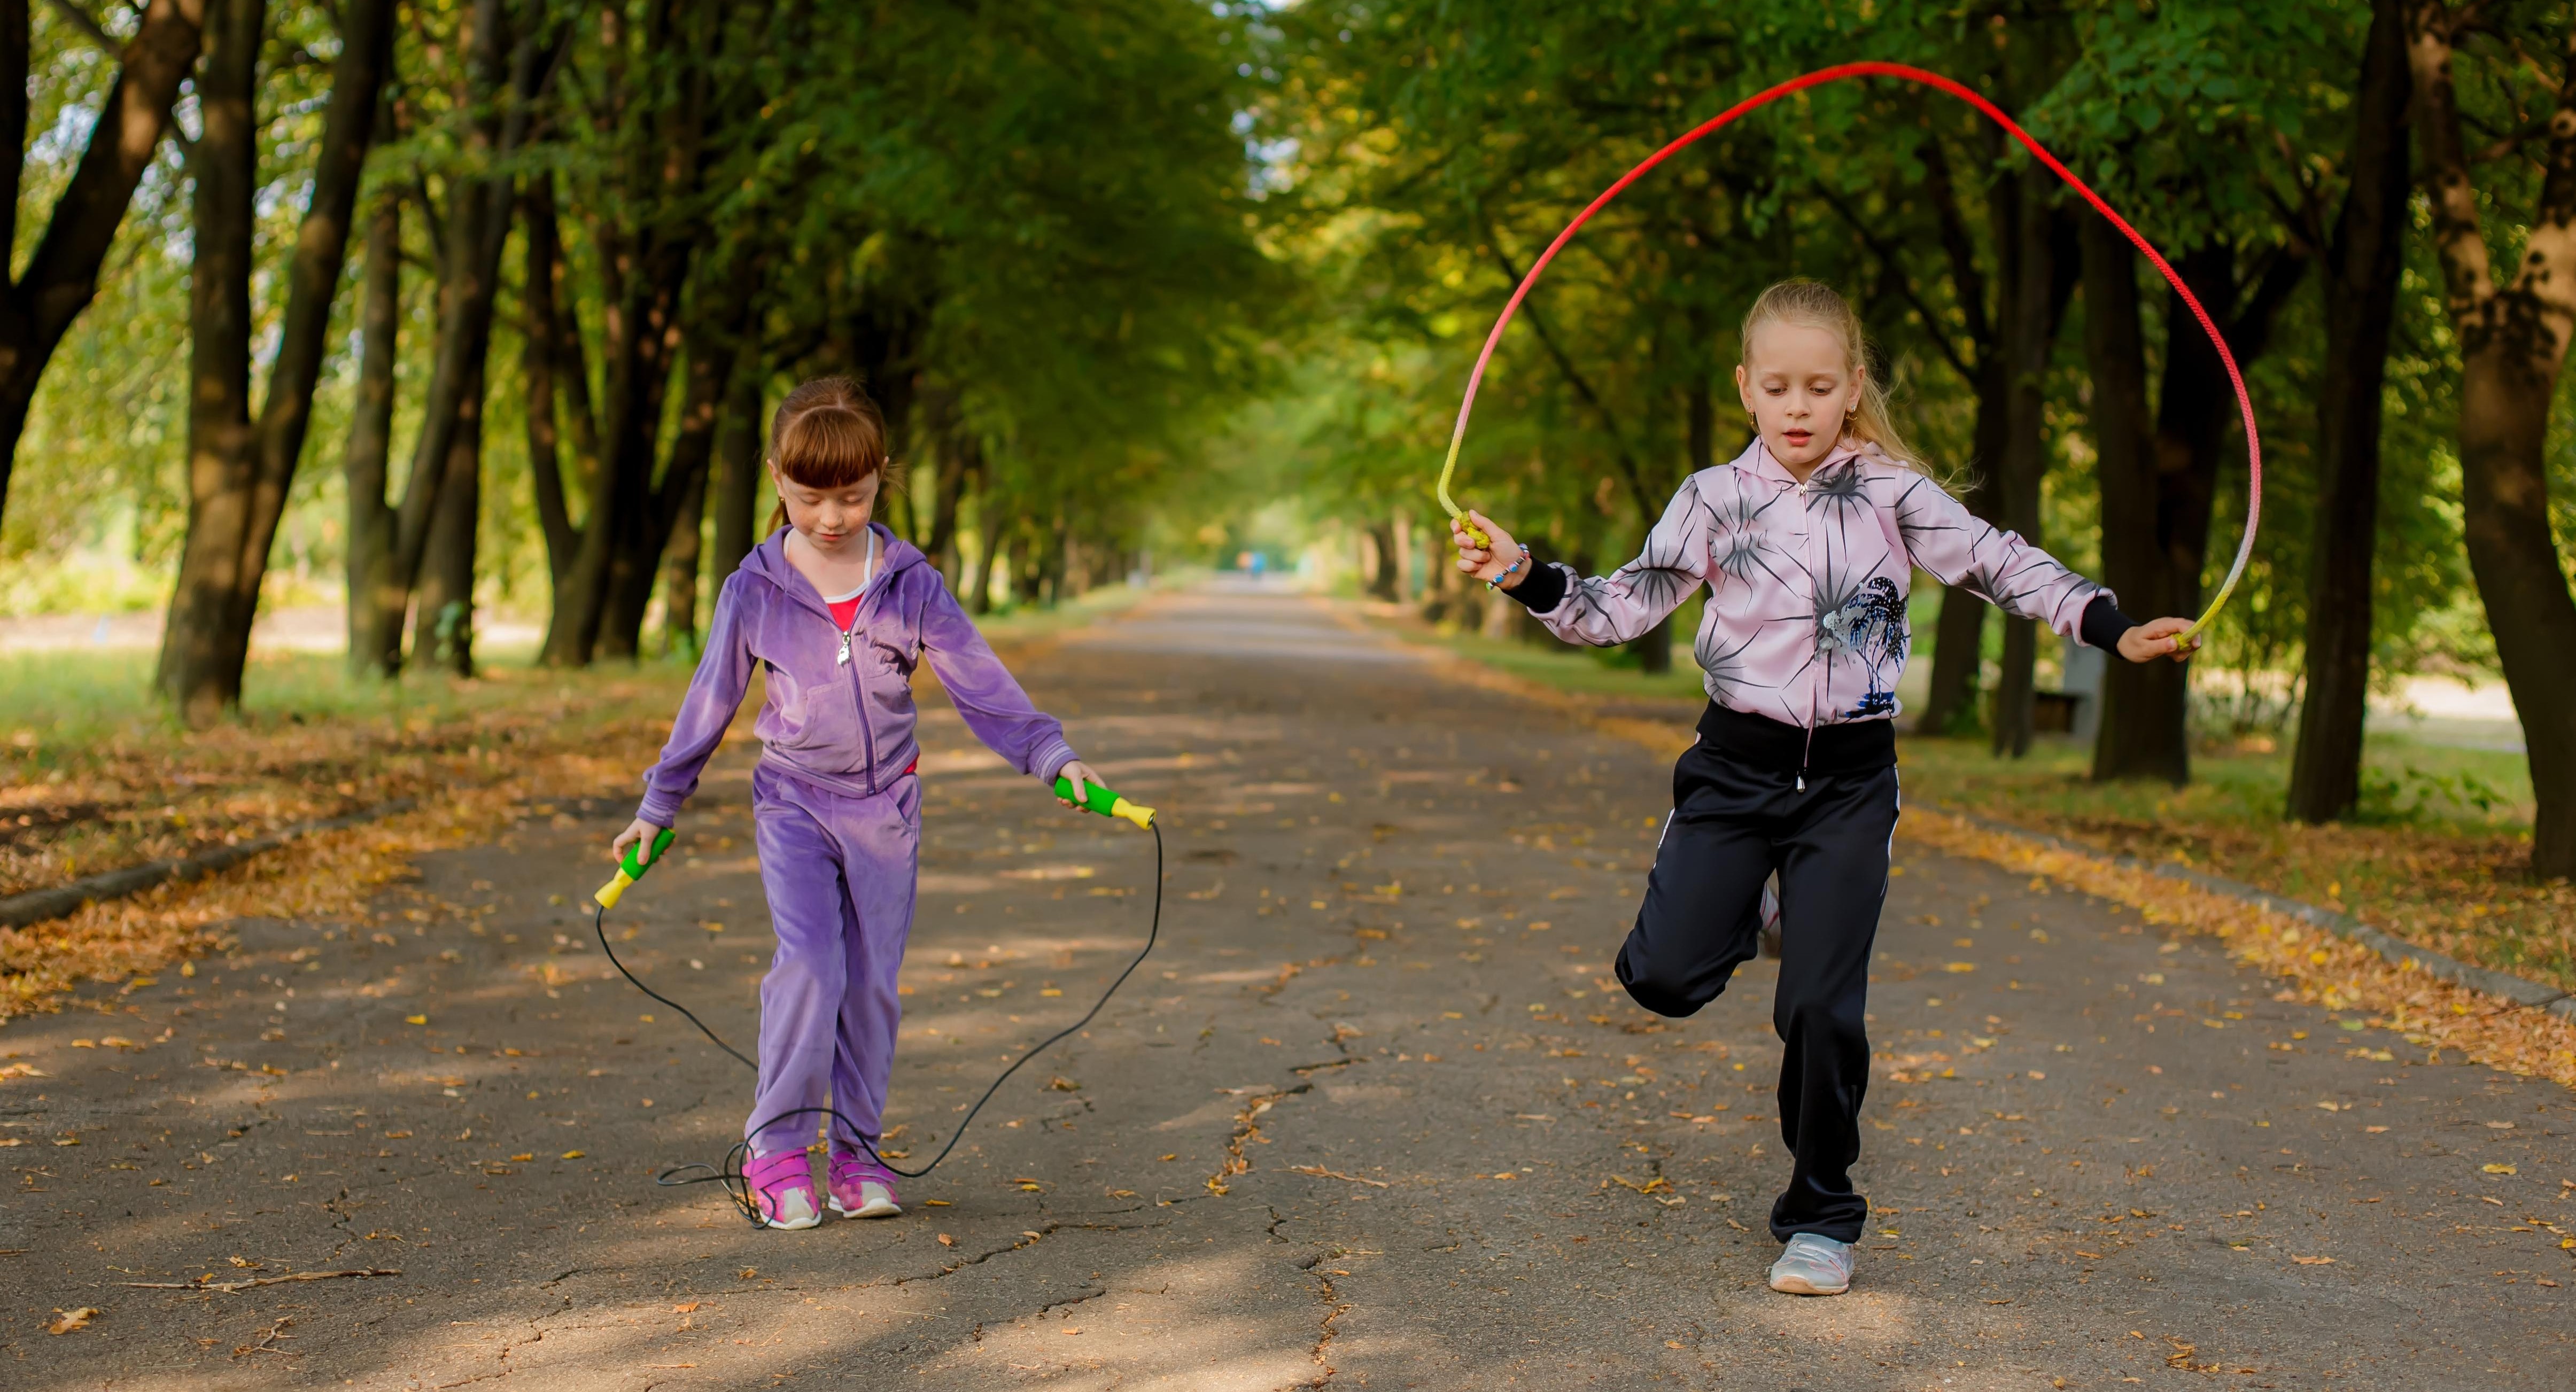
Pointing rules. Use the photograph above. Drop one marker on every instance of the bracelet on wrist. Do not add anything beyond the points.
(1497, 582)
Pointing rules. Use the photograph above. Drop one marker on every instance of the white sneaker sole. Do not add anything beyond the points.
(881, 1208)
(1800, 1285)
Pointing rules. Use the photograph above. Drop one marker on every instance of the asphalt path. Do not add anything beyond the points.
(1373, 1114)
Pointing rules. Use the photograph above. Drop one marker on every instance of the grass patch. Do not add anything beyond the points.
(2436, 855)
(2437, 858)
(95, 774)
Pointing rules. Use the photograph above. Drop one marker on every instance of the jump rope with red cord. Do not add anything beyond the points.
(1837, 73)
(729, 1171)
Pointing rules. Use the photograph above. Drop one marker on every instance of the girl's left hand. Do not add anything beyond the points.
(1084, 780)
(2158, 638)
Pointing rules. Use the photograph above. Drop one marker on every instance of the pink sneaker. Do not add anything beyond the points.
(861, 1187)
(782, 1190)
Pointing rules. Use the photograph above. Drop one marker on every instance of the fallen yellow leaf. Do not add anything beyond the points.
(531, 1155)
(2498, 1169)
(415, 1019)
(2313, 1261)
(573, 1154)
(1960, 967)
(73, 1319)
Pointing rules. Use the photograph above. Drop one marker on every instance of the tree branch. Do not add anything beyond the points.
(1904, 283)
(1647, 506)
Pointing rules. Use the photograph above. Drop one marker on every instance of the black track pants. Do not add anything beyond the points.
(1735, 821)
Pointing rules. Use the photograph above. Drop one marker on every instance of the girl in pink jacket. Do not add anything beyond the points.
(1807, 542)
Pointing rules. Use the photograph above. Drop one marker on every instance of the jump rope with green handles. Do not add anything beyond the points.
(729, 1171)
(1837, 73)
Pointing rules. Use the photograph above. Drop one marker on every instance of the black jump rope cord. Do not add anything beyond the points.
(729, 1172)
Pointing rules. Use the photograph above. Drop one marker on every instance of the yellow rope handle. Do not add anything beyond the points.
(1475, 533)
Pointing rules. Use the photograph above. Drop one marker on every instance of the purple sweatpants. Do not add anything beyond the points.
(840, 873)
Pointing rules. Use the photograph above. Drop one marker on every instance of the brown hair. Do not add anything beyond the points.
(827, 434)
(1816, 305)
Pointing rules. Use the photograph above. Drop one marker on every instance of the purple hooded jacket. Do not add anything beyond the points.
(846, 727)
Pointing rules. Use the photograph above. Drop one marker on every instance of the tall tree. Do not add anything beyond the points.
(2037, 264)
(240, 469)
(496, 91)
(376, 601)
(2159, 479)
(737, 488)
(647, 83)
(2513, 326)
(2364, 256)
(61, 276)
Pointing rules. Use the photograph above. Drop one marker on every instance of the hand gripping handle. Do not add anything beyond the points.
(632, 868)
(1108, 804)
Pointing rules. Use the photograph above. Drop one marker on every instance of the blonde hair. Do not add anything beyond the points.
(1813, 304)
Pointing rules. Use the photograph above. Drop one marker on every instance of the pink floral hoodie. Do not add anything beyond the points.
(1805, 622)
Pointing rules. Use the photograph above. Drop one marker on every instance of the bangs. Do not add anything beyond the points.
(830, 445)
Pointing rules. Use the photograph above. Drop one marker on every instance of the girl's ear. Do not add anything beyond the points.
(1744, 387)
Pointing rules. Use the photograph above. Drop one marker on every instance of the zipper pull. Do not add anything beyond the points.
(844, 659)
(1802, 781)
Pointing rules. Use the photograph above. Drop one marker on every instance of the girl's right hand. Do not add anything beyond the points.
(1489, 561)
(638, 830)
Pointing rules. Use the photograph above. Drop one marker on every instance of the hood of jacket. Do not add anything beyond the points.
(768, 561)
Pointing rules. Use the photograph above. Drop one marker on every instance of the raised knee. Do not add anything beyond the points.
(1662, 992)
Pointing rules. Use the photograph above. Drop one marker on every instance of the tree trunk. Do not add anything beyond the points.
(709, 337)
(2363, 264)
(1654, 647)
(1959, 634)
(2155, 512)
(618, 541)
(958, 453)
(1958, 643)
(477, 225)
(2124, 451)
(375, 601)
(1402, 530)
(225, 170)
(2152, 496)
(997, 548)
(61, 275)
(537, 366)
(2029, 330)
(680, 571)
(1382, 581)
(250, 466)
(443, 621)
(735, 490)
(2513, 343)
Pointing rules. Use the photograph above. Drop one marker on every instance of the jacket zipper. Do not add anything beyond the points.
(858, 688)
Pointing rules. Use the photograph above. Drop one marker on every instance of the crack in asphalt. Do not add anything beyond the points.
(1247, 1127)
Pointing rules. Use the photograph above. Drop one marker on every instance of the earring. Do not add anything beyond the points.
(1750, 423)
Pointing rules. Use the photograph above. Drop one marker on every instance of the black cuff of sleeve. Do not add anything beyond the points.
(1543, 590)
(2103, 623)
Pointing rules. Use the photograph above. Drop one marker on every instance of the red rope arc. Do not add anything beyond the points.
(2236, 379)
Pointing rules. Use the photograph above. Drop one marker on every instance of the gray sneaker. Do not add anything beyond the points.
(1813, 1264)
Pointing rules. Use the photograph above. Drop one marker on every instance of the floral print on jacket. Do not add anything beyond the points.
(1805, 621)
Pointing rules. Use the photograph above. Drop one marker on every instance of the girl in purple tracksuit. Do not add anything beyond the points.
(1807, 542)
(834, 611)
